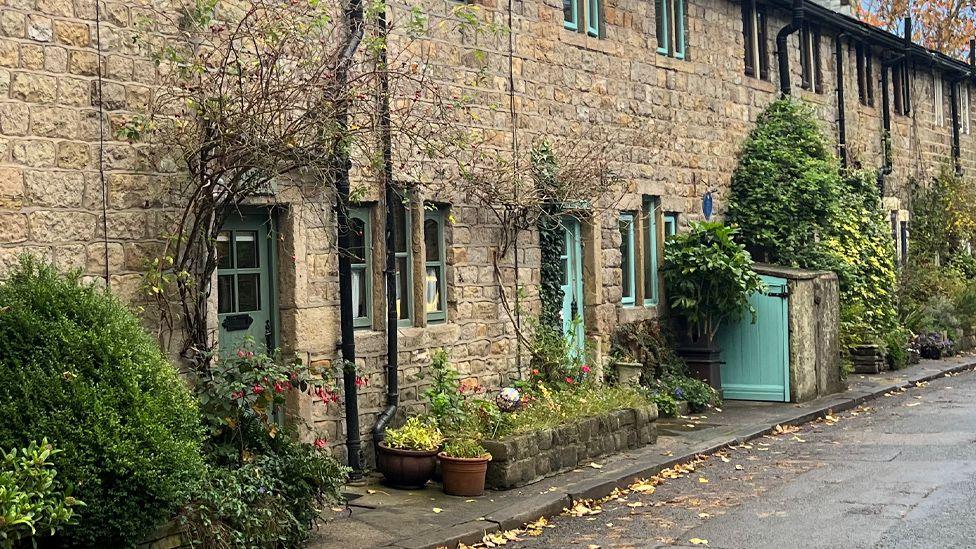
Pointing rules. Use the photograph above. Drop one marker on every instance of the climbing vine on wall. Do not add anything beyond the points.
(796, 206)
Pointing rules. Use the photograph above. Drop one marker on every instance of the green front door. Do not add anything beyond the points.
(245, 282)
(572, 267)
(756, 355)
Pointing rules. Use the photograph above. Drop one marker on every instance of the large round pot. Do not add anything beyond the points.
(464, 476)
(407, 469)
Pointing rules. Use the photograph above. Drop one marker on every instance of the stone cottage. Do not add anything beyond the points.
(673, 86)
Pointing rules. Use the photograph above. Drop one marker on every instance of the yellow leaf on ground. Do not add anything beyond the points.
(724, 459)
(437, 509)
(703, 480)
(698, 541)
(738, 467)
(703, 515)
(635, 504)
(596, 465)
(910, 404)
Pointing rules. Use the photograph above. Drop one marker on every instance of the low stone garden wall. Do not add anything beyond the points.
(527, 457)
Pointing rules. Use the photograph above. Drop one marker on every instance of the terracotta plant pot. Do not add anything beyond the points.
(464, 476)
(406, 469)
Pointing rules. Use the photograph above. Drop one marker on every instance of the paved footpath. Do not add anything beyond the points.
(898, 472)
(907, 459)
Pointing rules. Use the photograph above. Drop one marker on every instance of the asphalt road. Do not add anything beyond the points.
(899, 472)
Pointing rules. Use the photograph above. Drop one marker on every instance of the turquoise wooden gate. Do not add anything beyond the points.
(572, 286)
(756, 355)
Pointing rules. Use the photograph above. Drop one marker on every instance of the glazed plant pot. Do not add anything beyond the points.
(406, 469)
(464, 476)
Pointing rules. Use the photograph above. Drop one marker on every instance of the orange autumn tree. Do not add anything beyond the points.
(942, 25)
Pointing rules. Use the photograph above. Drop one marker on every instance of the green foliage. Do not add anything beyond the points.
(667, 405)
(795, 207)
(785, 188)
(464, 448)
(417, 433)
(551, 407)
(30, 503)
(709, 278)
(648, 342)
(697, 393)
(556, 359)
(444, 393)
(271, 500)
(77, 369)
(551, 243)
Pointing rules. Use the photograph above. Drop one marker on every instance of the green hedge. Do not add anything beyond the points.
(77, 368)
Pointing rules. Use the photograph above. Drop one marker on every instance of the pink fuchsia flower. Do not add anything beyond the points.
(320, 443)
(569, 380)
(586, 369)
(278, 387)
(237, 395)
(257, 389)
(240, 353)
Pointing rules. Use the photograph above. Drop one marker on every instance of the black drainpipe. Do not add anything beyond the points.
(782, 50)
(347, 344)
(954, 114)
(841, 108)
(886, 166)
(390, 196)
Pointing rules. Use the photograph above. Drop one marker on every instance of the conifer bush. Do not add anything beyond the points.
(78, 369)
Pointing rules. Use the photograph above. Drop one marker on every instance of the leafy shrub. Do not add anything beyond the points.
(464, 448)
(933, 345)
(697, 393)
(556, 359)
(444, 393)
(417, 433)
(667, 405)
(896, 345)
(709, 278)
(272, 500)
(30, 504)
(77, 369)
(263, 488)
(650, 343)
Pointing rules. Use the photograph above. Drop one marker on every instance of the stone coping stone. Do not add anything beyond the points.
(524, 458)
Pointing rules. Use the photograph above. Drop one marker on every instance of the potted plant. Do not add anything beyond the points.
(408, 455)
(464, 464)
(628, 370)
(709, 278)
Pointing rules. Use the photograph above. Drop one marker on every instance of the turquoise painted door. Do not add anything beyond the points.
(756, 355)
(572, 267)
(245, 282)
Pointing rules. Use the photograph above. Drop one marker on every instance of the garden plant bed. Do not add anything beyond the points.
(524, 458)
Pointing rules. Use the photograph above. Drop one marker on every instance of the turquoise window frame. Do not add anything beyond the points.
(362, 213)
(407, 232)
(593, 19)
(628, 280)
(437, 215)
(670, 224)
(651, 280)
(672, 16)
(572, 24)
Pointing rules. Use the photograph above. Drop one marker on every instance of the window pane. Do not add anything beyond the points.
(661, 19)
(569, 13)
(225, 294)
(360, 293)
(248, 292)
(432, 240)
(402, 289)
(400, 226)
(245, 242)
(357, 240)
(224, 260)
(432, 290)
(593, 18)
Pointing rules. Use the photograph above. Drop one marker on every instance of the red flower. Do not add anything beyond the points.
(257, 389)
(240, 353)
(586, 369)
(535, 372)
(569, 380)
(237, 395)
(320, 443)
(278, 387)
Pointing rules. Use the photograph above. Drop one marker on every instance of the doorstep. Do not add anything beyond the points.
(379, 516)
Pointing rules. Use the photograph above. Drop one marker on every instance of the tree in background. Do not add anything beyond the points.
(942, 25)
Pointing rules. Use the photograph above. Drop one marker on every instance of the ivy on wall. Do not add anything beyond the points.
(795, 206)
(551, 241)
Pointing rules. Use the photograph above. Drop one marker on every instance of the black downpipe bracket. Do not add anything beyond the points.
(782, 51)
(390, 197)
(347, 344)
(841, 108)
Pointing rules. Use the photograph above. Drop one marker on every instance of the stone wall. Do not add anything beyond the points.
(525, 458)
(74, 194)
